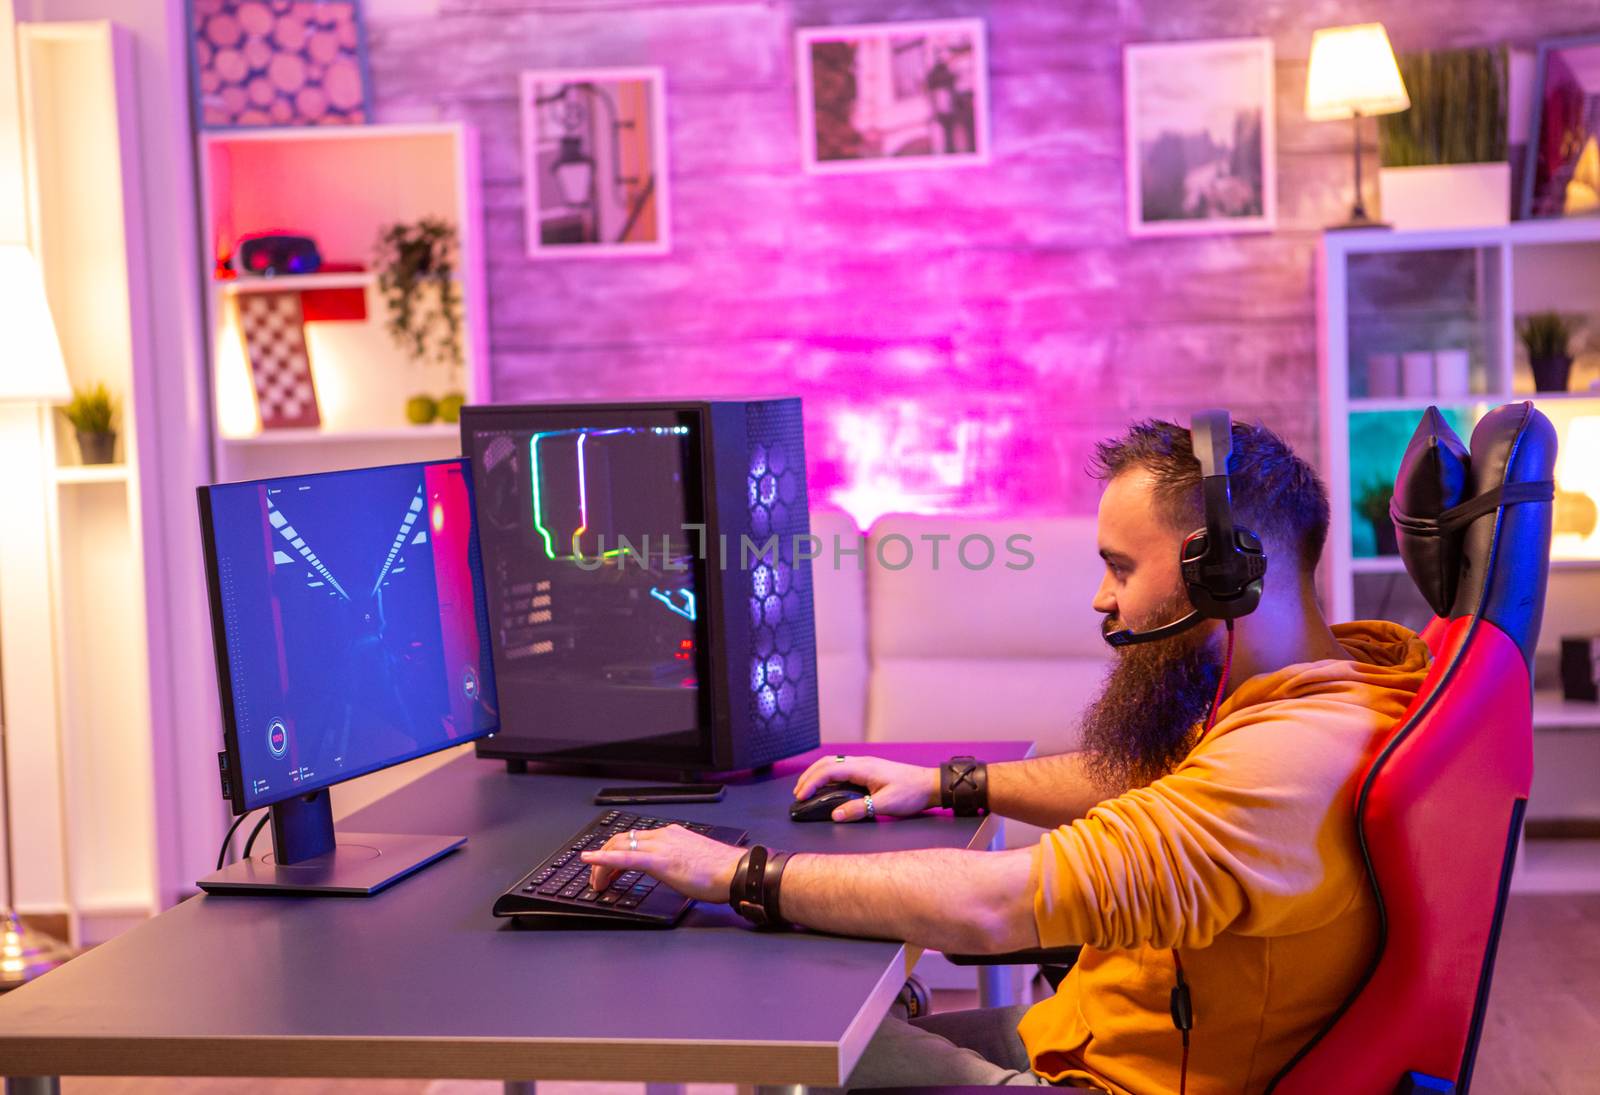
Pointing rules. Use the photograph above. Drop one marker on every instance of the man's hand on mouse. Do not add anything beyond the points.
(898, 790)
(694, 865)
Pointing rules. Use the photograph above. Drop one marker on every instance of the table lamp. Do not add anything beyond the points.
(1353, 74)
(31, 371)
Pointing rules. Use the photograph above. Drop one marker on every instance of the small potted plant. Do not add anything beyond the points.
(1443, 160)
(92, 412)
(416, 265)
(1373, 504)
(1545, 335)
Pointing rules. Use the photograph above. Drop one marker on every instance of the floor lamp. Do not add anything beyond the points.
(31, 371)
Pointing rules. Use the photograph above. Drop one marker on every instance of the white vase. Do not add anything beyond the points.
(1452, 373)
(1456, 195)
(1416, 373)
(1383, 376)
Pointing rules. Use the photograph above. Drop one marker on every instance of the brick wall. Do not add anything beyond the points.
(960, 336)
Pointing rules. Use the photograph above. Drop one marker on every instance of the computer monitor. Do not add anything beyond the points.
(647, 570)
(351, 634)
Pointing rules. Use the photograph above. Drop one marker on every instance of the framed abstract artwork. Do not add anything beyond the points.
(1199, 137)
(278, 63)
(893, 96)
(1561, 176)
(594, 163)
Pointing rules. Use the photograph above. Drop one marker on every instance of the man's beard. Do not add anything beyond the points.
(1143, 721)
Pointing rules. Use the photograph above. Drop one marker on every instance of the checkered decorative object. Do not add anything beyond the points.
(275, 343)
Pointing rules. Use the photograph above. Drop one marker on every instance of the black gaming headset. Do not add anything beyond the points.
(1223, 564)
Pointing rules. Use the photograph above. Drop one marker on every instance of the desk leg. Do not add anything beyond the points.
(33, 1085)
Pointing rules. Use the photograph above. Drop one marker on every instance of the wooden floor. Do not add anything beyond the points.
(1542, 1036)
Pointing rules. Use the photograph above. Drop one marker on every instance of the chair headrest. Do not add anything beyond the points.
(1505, 549)
(1463, 562)
(1433, 479)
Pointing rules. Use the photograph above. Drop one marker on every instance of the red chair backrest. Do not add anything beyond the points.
(1440, 807)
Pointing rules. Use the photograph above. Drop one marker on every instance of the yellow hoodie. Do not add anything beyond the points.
(1245, 858)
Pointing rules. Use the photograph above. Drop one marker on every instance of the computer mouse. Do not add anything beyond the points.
(825, 800)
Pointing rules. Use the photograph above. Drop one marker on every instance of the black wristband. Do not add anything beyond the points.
(740, 874)
(748, 880)
(771, 883)
(964, 786)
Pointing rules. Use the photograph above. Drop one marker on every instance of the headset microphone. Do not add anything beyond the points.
(1223, 565)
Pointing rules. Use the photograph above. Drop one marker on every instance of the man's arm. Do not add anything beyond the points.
(943, 899)
(958, 901)
(1045, 791)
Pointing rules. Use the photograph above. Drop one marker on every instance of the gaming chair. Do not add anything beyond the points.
(1440, 808)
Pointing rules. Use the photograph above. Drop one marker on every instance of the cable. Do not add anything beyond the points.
(250, 842)
(1222, 682)
(1182, 1018)
(222, 852)
(1182, 1005)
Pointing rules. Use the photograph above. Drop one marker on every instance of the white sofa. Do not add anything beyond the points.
(919, 652)
(952, 654)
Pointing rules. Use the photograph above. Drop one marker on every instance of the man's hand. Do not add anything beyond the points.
(694, 865)
(898, 790)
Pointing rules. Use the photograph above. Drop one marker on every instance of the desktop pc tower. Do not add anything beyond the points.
(648, 580)
(619, 586)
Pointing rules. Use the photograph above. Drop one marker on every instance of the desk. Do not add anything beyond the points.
(421, 982)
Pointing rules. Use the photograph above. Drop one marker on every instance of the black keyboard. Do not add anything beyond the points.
(556, 893)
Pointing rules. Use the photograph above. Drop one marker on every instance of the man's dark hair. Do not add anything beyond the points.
(1276, 494)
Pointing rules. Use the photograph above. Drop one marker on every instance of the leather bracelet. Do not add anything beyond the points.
(740, 874)
(771, 883)
(748, 879)
(964, 786)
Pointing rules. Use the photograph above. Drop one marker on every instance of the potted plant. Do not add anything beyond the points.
(1545, 336)
(1373, 504)
(1444, 160)
(416, 265)
(91, 413)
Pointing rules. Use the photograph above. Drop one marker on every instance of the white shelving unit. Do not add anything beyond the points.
(340, 185)
(1551, 711)
(1386, 292)
(356, 279)
(106, 567)
(94, 473)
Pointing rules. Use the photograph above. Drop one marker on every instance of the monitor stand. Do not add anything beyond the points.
(306, 859)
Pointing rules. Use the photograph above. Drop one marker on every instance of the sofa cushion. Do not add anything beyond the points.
(1042, 609)
(973, 699)
(960, 650)
(840, 603)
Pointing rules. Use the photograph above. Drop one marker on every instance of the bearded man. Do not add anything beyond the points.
(1215, 848)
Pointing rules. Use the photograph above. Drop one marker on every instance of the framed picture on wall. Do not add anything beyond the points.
(1199, 137)
(264, 62)
(1561, 176)
(594, 163)
(893, 96)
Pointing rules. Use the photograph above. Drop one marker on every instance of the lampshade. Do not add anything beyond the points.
(1353, 71)
(31, 368)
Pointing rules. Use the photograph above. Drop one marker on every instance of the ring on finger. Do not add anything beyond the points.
(633, 840)
(871, 813)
